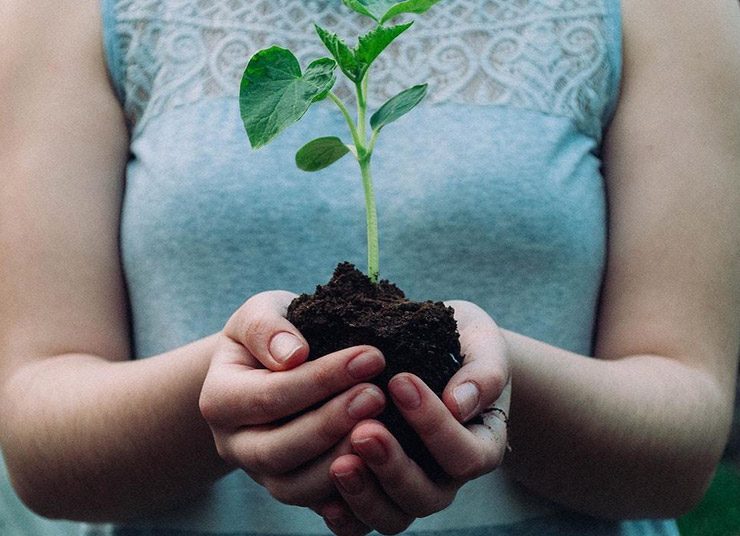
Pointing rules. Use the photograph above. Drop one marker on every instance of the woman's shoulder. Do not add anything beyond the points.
(50, 39)
(700, 32)
(681, 58)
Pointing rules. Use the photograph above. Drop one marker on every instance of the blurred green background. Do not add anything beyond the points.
(719, 513)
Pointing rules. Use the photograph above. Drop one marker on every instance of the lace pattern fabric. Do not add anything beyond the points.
(550, 56)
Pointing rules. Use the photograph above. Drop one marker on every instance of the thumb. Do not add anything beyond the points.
(485, 374)
(261, 327)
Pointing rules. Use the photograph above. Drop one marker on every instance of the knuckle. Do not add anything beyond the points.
(426, 507)
(285, 492)
(210, 406)
(395, 479)
(324, 377)
(224, 451)
(428, 425)
(236, 322)
(264, 404)
(218, 408)
(434, 504)
(496, 383)
(260, 458)
(470, 466)
(261, 404)
(257, 327)
(331, 429)
(253, 318)
(256, 302)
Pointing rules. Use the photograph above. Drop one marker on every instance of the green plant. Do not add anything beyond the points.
(274, 94)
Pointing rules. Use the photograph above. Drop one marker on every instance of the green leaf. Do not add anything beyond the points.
(355, 62)
(398, 106)
(373, 43)
(360, 7)
(344, 55)
(274, 93)
(409, 6)
(384, 10)
(320, 153)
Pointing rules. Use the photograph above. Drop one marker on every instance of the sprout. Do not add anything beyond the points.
(275, 94)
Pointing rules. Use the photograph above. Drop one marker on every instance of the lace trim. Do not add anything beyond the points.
(545, 55)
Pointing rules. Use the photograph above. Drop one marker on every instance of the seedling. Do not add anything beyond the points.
(275, 94)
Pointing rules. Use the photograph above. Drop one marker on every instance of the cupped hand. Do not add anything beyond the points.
(382, 488)
(282, 423)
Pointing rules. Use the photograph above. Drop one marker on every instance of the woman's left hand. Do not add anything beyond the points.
(381, 487)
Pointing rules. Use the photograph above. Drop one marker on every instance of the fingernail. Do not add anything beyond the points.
(371, 450)
(405, 393)
(366, 365)
(467, 397)
(367, 402)
(350, 482)
(283, 346)
(338, 521)
(335, 516)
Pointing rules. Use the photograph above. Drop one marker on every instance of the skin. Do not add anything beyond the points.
(641, 428)
(317, 474)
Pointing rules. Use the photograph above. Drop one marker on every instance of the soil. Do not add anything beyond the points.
(416, 337)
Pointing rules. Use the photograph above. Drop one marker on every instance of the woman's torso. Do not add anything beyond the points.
(489, 191)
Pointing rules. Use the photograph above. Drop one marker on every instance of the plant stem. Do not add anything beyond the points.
(361, 107)
(372, 220)
(364, 153)
(371, 143)
(359, 142)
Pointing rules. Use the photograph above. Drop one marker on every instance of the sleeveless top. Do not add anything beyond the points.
(489, 191)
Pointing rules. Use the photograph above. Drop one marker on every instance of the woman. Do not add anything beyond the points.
(541, 114)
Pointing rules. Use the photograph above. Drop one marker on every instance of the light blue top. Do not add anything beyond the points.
(489, 191)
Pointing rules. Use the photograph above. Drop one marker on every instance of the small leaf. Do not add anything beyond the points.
(344, 55)
(320, 153)
(355, 62)
(373, 43)
(321, 77)
(363, 7)
(398, 106)
(409, 6)
(274, 94)
(384, 10)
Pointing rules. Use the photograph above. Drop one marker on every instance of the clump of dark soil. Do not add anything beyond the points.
(416, 337)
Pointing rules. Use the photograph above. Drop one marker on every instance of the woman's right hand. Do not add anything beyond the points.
(279, 418)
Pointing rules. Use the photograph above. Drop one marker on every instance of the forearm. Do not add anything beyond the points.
(89, 439)
(634, 437)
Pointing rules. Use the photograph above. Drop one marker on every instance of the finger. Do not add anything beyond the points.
(277, 449)
(341, 521)
(261, 327)
(399, 476)
(484, 372)
(462, 453)
(308, 485)
(238, 395)
(496, 420)
(365, 498)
